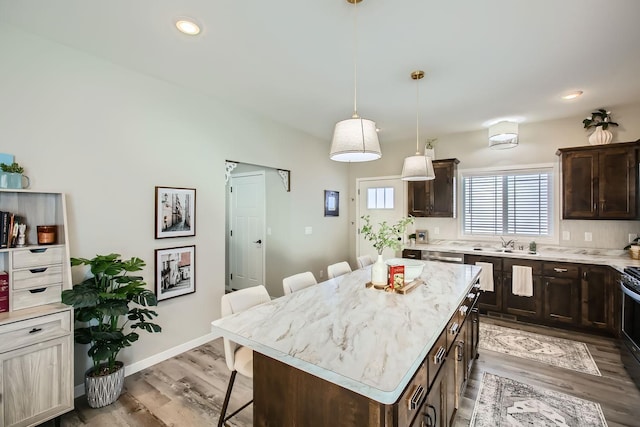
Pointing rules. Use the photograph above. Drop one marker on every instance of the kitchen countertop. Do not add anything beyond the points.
(615, 258)
(365, 340)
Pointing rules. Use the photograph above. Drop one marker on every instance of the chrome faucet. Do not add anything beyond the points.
(506, 244)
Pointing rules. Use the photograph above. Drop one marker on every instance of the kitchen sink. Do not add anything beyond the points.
(505, 251)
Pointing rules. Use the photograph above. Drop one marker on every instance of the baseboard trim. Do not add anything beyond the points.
(157, 358)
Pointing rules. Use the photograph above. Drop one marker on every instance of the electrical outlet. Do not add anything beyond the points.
(321, 274)
(566, 235)
(588, 236)
(436, 230)
(632, 237)
(308, 230)
(268, 231)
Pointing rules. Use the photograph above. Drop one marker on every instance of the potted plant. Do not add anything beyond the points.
(109, 306)
(600, 120)
(387, 236)
(430, 148)
(12, 176)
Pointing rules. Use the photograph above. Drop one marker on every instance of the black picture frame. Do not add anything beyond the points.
(331, 203)
(175, 272)
(175, 212)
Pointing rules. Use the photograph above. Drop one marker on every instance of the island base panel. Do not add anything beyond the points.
(286, 396)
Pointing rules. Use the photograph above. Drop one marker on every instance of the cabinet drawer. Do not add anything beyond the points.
(33, 331)
(37, 257)
(410, 401)
(536, 266)
(437, 357)
(559, 269)
(37, 277)
(412, 253)
(472, 259)
(31, 297)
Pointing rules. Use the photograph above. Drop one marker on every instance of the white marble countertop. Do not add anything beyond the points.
(368, 341)
(612, 257)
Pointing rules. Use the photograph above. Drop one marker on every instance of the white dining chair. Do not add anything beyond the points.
(338, 269)
(298, 282)
(239, 358)
(364, 260)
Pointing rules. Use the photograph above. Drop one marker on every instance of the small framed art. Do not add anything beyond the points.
(175, 272)
(422, 236)
(175, 212)
(331, 203)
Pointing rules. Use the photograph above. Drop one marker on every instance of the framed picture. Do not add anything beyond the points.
(331, 203)
(175, 212)
(422, 236)
(175, 272)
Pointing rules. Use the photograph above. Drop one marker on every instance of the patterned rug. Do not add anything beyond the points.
(553, 351)
(504, 402)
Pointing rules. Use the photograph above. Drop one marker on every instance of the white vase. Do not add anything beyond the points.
(600, 136)
(379, 273)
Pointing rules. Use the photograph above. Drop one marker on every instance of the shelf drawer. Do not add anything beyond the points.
(37, 257)
(436, 357)
(536, 266)
(558, 269)
(413, 396)
(33, 331)
(37, 277)
(39, 296)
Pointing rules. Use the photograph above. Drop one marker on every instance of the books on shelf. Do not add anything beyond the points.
(4, 291)
(9, 224)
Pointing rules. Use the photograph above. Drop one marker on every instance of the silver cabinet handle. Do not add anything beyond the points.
(560, 270)
(416, 397)
(463, 310)
(454, 328)
(439, 357)
(471, 296)
(411, 256)
(459, 351)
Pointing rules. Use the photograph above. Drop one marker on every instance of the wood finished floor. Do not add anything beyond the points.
(188, 389)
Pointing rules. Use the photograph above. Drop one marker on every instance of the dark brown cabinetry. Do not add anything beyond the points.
(600, 182)
(597, 297)
(412, 253)
(435, 198)
(519, 305)
(491, 301)
(561, 293)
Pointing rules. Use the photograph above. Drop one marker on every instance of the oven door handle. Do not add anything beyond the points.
(634, 296)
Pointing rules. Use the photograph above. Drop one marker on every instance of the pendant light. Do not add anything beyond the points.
(418, 167)
(355, 139)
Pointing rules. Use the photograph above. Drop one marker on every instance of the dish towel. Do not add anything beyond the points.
(486, 276)
(522, 283)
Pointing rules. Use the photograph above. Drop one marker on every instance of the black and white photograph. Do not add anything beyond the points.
(331, 203)
(175, 212)
(175, 272)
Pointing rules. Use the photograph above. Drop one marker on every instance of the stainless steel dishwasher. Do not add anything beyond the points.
(452, 257)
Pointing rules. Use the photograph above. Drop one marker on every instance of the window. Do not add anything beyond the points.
(380, 198)
(508, 203)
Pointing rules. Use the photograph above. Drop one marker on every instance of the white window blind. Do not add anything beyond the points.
(513, 202)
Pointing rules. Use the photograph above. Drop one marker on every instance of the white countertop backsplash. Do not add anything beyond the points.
(616, 258)
(366, 340)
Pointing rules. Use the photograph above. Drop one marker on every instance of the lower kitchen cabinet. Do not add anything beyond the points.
(561, 293)
(522, 306)
(489, 301)
(598, 293)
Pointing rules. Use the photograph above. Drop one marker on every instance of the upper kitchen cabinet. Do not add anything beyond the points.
(599, 182)
(435, 198)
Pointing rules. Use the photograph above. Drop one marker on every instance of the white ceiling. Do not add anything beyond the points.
(293, 60)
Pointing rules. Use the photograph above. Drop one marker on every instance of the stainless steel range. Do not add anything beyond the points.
(630, 285)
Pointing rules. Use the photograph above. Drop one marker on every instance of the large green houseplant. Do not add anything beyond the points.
(110, 306)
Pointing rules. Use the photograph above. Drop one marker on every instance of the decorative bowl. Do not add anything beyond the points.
(412, 268)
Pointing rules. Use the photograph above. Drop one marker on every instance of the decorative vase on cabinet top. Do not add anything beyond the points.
(379, 273)
(600, 136)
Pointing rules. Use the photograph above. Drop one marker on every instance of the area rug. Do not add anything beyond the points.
(504, 402)
(553, 351)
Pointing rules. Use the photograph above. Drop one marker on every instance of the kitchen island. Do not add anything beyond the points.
(342, 354)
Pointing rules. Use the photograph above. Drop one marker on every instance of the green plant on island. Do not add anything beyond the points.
(599, 118)
(109, 306)
(12, 168)
(387, 235)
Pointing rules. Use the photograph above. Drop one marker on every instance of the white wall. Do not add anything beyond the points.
(107, 136)
(538, 144)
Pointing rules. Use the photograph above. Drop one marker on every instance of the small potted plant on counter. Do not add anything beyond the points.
(387, 236)
(109, 306)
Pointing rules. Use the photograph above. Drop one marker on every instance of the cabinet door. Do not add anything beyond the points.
(417, 198)
(561, 296)
(36, 382)
(433, 410)
(441, 191)
(489, 301)
(519, 305)
(579, 185)
(617, 169)
(597, 298)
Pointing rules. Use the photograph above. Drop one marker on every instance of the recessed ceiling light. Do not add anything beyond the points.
(572, 95)
(188, 27)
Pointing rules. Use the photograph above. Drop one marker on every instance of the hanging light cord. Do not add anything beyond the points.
(417, 115)
(355, 60)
